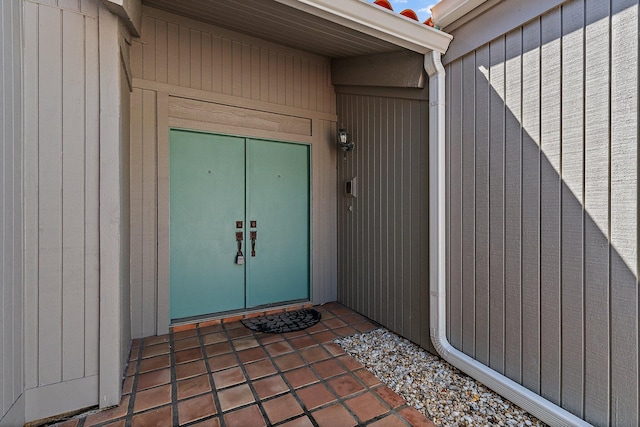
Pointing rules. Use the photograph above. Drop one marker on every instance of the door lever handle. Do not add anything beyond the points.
(254, 236)
(239, 255)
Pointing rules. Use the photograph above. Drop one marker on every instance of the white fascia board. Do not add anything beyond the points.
(448, 11)
(376, 21)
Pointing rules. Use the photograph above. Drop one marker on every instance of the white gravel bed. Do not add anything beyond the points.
(441, 392)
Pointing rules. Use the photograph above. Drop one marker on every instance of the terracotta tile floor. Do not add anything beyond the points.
(227, 375)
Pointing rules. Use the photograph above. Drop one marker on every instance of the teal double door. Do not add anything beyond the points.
(224, 191)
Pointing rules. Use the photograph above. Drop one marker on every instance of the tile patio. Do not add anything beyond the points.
(223, 374)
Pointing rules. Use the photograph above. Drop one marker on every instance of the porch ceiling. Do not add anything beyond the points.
(335, 28)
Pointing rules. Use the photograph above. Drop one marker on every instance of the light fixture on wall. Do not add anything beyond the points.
(344, 140)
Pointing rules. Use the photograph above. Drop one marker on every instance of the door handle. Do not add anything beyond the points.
(239, 255)
(254, 236)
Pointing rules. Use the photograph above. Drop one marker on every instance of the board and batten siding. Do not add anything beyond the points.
(542, 202)
(11, 215)
(61, 205)
(192, 75)
(383, 230)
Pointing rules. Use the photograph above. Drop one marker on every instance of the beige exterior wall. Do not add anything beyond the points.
(542, 141)
(66, 212)
(383, 248)
(61, 144)
(188, 74)
(11, 216)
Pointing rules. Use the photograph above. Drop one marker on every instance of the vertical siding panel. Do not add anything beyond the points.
(496, 205)
(550, 203)
(531, 206)
(350, 122)
(513, 205)
(264, 74)
(304, 84)
(50, 203)
(149, 212)
(290, 80)
(366, 241)
(136, 59)
(328, 92)
(162, 236)
(149, 48)
(398, 292)
(162, 52)
(417, 161)
(11, 280)
(18, 197)
(355, 217)
(217, 73)
(206, 62)
(572, 349)
(247, 71)
(92, 197)
(381, 280)
(324, 194)
(297, 82)
(330, 129)
(409, 117)
(73, 203)
(458, 99)
(256, 74)
(31, 199)
(468, 203)
(226, 67)
(386, 133)
(196, 59)
(482, 206)
(6, 248)
(359, 208)
(376, 142)
(236, 71)
(321, 79)
(596, 221)
(624, 212)
(423, 277)
(313, 98)
(374, 242)
(273, 77)
(281, 73)
(173, 52)
(137, 217)
(184, 56)
(344, 215)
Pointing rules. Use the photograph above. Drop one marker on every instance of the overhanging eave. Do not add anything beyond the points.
(377, 22)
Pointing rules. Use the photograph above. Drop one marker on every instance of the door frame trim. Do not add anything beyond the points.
(164, 126)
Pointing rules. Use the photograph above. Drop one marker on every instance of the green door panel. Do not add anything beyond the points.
(278, 199)
(207, 191)
(215, 181)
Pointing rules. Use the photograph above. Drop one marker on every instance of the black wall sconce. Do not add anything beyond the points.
(344, 141)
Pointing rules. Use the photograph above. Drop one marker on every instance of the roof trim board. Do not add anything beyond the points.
(448, 11)
(377, 22)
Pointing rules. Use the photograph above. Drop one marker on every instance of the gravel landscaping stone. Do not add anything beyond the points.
(434, 387)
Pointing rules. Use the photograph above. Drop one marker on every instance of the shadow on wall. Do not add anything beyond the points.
(543, 208)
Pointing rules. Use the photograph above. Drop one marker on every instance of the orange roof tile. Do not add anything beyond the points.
(409, 13)
(383, 3)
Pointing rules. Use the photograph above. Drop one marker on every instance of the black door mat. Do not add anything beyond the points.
(283, 322)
